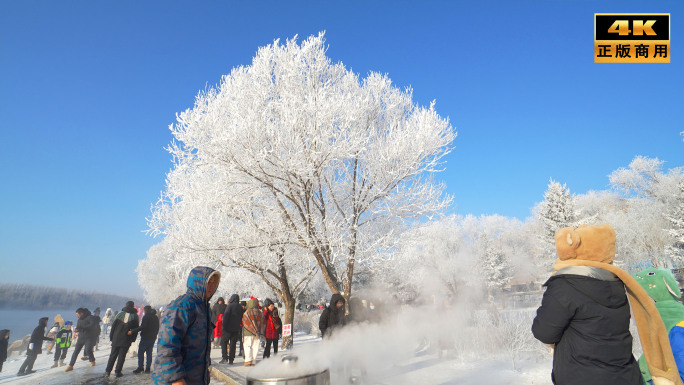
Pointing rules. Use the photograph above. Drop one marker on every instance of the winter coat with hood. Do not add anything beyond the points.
(253, 323)
(272, 319)
(184, 344)
(232, 317)
(38, 336)
(125, 321)
(149, 327)
(218, 308)
(3, 344)
(587, 319)
(108, 317)
(332, 318)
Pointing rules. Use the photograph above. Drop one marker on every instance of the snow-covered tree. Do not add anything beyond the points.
(432, 259)
(493, 264)
(675, 216)
(163, 274)
(342, 161)
(645, 178)
(207, 212)
(646, 193)
(448, 258)
(556, 211)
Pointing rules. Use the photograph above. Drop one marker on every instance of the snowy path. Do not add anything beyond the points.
(425, 369)
(83, 373)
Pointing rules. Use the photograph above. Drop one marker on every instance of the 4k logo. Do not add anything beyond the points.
(632, 37)
(621, 27)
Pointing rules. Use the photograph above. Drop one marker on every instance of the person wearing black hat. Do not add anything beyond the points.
(35, 347)
(273, 327)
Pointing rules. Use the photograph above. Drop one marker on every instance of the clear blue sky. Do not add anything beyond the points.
(88, 89)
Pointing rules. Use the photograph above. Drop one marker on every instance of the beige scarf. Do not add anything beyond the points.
(654, 338)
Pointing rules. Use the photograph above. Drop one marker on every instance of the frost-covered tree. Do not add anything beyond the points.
(513, 334)
(208, 212)
(675, 215)
(163, 274)
(432, 259)
(646, 193)
(556, 211)
(446, 258)
(493, 264)
(645, 178)
(342, 161)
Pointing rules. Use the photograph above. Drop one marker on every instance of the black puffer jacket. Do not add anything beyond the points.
(588, 321)
(332, 317)
(233, 315)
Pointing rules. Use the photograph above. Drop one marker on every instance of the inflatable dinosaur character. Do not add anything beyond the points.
(661, 285)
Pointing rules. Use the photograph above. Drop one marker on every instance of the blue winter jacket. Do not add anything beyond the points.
(184, 344)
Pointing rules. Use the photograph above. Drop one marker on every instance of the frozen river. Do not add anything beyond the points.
(22, 322)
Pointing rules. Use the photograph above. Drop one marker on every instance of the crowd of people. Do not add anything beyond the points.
(584, 315)
(121, 329)
(184, 335)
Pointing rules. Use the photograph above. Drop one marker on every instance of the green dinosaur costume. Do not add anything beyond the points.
(661, 285)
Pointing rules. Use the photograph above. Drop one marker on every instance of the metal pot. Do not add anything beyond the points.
(287, 372)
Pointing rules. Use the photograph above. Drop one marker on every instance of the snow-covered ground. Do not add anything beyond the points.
(429, 369)
(83, 373)
(426, 368)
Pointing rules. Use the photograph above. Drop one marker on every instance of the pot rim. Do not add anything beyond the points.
(249, 378)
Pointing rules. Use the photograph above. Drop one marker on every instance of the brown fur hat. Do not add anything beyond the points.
(589, 243)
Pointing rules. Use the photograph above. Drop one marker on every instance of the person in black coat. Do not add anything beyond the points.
(585, 314)
(122, 336)
(35, 347)
(332, 316)
(218, 308)
(232, 328)
(4, 341)
(93, 335)
(86, 329)
(149, 328)
(97, 329)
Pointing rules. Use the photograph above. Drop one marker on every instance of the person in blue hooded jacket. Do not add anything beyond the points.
(184, 344)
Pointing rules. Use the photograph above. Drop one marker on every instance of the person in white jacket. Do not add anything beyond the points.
(107, 321)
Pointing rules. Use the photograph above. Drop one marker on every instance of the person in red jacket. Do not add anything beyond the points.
(218, 332)
(273, 327)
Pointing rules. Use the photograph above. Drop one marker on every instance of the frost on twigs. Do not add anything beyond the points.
(294, 166)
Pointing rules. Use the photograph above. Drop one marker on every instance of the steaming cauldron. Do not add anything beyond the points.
(287, 372)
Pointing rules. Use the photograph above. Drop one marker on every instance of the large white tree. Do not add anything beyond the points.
(556, 211)
(337, 162)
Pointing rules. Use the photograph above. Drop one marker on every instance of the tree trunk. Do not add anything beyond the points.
(288, 318)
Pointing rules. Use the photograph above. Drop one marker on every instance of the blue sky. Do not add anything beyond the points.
(88, 89)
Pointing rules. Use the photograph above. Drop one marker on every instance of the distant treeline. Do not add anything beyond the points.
(30, 297)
